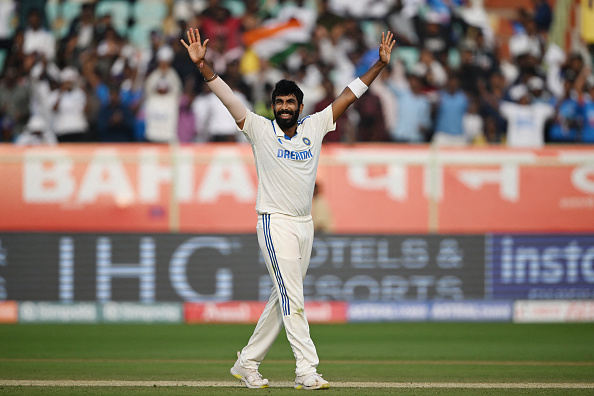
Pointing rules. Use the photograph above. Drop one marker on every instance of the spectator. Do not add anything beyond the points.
(327, 19)
(433, 73)
(539, 93)
(332, 42)
(587, 102)
(38, 40)
(491, 96)
(217, 21)
(492, 132)
(387, 99)
(401, 22)
(186, 129)
(14, 103)
(473, 123)
(543, 15)
(43, 77)
(108, 49)
(525, 121)
(69, 107)
(233, 75)
(15, 55)
(162, 94)
(371, 126)
(473, 74)
(484, 57)
(452, 106)
(36, 133)
(435, 38)
(185, 68)
(82, 28)
(414, 112)
(568, 120)
(115, 122)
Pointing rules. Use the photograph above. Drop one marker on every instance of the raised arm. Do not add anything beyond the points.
(197, 51)
(358, 87)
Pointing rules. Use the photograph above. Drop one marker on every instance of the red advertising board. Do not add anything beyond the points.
(250, 311)
(211, 188)
(9, 312)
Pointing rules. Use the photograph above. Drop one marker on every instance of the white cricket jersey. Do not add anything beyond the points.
(287, 167)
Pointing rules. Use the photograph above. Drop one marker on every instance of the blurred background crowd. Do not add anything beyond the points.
(463, 73)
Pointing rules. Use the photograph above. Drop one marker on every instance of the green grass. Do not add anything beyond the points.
(382, 352)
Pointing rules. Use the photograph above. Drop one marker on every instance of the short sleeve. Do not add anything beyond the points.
(322, 122)
(254, 125)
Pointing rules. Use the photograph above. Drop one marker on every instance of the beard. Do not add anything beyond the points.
(286, 123)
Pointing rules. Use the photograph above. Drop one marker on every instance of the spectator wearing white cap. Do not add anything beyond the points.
(525, 120)
(36, 133)
(538, 91)
(69, 108)
(163, 89)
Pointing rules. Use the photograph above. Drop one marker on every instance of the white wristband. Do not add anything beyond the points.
(358, 87)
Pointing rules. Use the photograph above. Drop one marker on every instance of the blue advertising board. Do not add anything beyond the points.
(538, 267)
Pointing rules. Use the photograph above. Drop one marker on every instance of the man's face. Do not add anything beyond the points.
(286, 111)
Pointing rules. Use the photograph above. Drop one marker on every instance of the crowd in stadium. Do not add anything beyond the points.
(453, 82)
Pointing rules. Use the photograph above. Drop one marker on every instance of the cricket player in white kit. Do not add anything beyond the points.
(286, 153)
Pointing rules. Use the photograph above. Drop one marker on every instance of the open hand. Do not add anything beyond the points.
(196, 49)
(385, 48)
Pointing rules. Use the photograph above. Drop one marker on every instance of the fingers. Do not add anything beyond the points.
(388, 40)
(193, 37)
(184, 43)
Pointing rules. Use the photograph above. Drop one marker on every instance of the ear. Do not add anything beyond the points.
(301, 108)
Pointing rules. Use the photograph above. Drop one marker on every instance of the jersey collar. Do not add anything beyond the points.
(279, 132)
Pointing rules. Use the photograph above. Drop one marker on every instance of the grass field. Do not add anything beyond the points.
(357, 359)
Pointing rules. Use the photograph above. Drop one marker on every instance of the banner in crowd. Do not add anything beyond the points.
(374, 189)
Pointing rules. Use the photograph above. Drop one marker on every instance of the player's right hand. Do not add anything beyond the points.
(196, 49)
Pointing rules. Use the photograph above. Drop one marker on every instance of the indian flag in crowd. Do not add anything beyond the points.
(294, 25)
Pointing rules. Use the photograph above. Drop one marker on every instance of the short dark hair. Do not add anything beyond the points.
(286, 88)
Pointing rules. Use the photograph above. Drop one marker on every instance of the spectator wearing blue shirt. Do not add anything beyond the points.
(414, 112)
(587, 108)
(115, 122)
(567, 123)
(452, 107)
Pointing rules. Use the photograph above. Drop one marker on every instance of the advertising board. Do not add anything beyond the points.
(541, 266)
(212, 188)
(149, 268)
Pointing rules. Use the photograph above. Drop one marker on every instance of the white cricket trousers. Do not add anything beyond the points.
(286, 243)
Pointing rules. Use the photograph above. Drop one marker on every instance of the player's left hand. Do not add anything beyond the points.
(385, 48)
